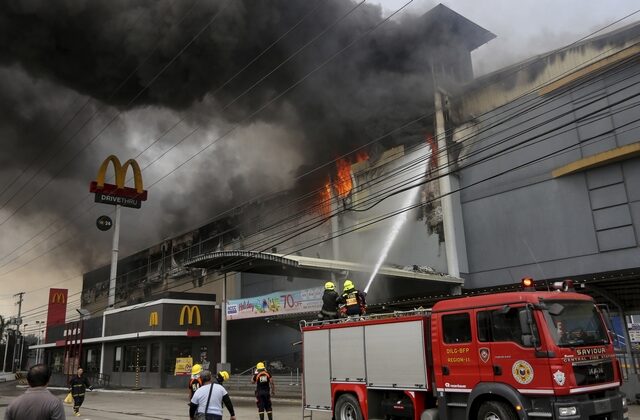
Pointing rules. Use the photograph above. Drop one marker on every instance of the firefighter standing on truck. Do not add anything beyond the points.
(265, 389)
(352, 299)
(329, 302)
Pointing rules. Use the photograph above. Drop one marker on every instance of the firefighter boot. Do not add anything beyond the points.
(270, 415)
(261, 414)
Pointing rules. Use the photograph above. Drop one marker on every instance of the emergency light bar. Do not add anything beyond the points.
(528, 285)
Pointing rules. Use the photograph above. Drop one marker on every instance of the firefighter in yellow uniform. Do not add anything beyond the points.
(352, 299)
(265, 389)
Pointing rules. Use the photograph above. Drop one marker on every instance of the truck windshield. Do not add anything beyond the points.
(575, 323)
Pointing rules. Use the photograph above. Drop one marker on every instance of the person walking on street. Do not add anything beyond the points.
(208, 400)
(265, 389)
(37, 403)
(329, 302)
(352, 299)
(78, 386)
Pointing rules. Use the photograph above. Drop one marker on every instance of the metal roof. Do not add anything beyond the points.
(295, 265)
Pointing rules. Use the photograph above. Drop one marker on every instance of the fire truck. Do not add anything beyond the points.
(515, 355)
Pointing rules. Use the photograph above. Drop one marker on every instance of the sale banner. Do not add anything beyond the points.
(278, 303)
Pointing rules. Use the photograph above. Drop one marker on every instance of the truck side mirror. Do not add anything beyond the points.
(526, 326)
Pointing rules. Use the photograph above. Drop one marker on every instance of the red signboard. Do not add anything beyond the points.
(56, 314)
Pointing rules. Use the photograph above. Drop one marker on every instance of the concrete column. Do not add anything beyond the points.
(453, 224)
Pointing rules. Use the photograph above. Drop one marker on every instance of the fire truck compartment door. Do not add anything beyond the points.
(317, 384)
(346, 343)
(395, 355)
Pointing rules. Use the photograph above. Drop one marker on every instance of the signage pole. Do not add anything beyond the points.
(114, 259)
(223, 322)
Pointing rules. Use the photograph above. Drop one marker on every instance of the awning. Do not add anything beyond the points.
(299, 266)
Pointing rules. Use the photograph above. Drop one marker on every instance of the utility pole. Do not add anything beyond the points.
(18, 323)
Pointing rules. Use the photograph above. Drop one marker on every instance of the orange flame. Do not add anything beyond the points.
(324, 202)
(344, 184)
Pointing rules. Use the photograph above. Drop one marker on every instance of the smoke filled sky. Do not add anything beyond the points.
(159, 81)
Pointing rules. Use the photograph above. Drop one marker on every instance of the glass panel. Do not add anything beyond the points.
(134, 355)
(456, 328)
(117, 359)
(174, 350)
(575, 323)
(155, 357)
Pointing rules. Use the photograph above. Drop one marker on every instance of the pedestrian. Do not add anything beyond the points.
(208, 400)
(265, 389)
(37, 403)
(329, 302)
(353, 299)
(78, 385)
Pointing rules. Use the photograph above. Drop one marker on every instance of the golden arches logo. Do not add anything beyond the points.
(153, 319)
(57, 297)
(120, 173)
(191, 312)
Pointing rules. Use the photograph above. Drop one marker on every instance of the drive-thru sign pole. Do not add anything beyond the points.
(114, 259)
(120, 196)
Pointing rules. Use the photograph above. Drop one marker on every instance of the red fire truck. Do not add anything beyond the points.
(504, 356)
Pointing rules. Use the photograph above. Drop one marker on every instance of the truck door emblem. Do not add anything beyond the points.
(484, 354)
(559, 377)
(522, 372)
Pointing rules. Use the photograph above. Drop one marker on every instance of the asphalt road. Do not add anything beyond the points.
(169, 405)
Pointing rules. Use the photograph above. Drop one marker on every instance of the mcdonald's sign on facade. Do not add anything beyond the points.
(57, 309)
(118, 193)
(153, 319)
(191, 312)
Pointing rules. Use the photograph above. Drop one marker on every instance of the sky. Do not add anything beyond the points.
(72, 91)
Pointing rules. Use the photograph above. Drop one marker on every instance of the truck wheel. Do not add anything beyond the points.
(348, 408)
(496, 410)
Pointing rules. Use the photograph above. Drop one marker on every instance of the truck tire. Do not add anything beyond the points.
(496, 410)
(347, 408)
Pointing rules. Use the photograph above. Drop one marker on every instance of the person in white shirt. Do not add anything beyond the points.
(208, 400)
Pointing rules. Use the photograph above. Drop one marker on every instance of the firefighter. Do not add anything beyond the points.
(222, 376)
(329, 302)
(352, 299)
(78, 385)
(265, 389)
(195, 382)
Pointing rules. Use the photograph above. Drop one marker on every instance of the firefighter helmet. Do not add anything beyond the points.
(196, 369)
(329, 286)
(260, 365)
(223, 376)
(348, 285)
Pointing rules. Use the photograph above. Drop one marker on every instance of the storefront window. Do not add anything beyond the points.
(175, 350)
(92, 360)
(155, 357)
(130, 359)
(117, 359)
(56, 361)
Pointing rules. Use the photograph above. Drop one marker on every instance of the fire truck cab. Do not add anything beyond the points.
(504, 356)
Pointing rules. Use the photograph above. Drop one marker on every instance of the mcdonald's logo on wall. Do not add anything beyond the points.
(193, 314)
(118, 193)
(153, 319)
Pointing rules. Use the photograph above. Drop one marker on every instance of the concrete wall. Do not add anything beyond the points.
(525, 222)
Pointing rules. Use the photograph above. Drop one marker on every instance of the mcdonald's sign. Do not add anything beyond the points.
(57, 308)
(153, 319)
(118, 193)
(58, 297)
(191, 312)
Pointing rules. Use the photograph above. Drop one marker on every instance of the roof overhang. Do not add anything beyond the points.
(299, 266)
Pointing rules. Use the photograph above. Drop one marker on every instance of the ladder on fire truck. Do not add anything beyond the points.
(372, 317)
